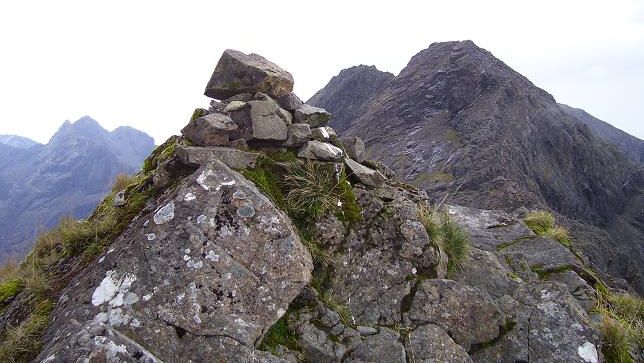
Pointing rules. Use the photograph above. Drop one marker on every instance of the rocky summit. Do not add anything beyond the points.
(260, 236)
(458, 121)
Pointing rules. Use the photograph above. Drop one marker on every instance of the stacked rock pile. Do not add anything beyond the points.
(254, 107)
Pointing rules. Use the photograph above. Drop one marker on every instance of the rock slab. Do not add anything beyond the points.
(237, 72)
(236, 263)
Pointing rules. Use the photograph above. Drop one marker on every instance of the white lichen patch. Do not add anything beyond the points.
(201, 179)
(226, 183)
(106, 290)
(186, 258)
(146, 223)
(186, 251)
(280, 312)
(189, 197)
(113, 289)
(147, 297)
(151, 236)
(201, 219)
(165, 214)
(588, 352)
(212, 256)
(111, 349)
(100, 260)
(195, 265)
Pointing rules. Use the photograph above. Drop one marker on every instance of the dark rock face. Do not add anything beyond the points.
(236, 264)
(457, 120)
(67, 176)
(629, 145)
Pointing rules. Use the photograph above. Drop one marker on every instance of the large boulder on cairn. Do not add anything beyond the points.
(237, 72)
(210, 130)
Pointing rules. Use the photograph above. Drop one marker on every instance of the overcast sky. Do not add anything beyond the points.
(146, 63)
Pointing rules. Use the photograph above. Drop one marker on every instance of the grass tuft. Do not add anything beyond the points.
(121, 182)
(447, 235)
(542, 223)
(539, 221)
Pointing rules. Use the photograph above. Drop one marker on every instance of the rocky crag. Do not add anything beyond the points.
(459, 121)
(258, 236)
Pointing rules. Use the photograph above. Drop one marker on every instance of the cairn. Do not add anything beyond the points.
(254, 108)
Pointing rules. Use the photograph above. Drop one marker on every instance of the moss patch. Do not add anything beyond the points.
(9, 289)
(280, 334)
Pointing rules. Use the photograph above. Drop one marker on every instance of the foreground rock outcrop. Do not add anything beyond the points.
(262, 245)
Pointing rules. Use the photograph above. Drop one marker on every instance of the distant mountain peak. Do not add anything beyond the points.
(16, 141)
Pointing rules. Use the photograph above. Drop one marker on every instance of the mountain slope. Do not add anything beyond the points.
(67, 176)
(629, 145)
(17, 141)
(457, 120)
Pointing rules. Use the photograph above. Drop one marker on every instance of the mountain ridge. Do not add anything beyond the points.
(458, 119)
(66, 176)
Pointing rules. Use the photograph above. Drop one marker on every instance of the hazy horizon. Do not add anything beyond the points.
(145, 64)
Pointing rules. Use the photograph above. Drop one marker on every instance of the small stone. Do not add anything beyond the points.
(365, 175)
(234, 106)
(354, 147)
(209, 130)
(318, 150)
(323, 133)
(290, 101)
(216, 107)
(313, 116)
(119, 199)
(243, 97)
(298, 135)
(366, 330)
(237, 72)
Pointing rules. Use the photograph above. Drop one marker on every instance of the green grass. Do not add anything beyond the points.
(456, 245)
(447, 235)
(539, 221)
(280, 334)
(10, 288)
(542, 223)
(305, 189)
